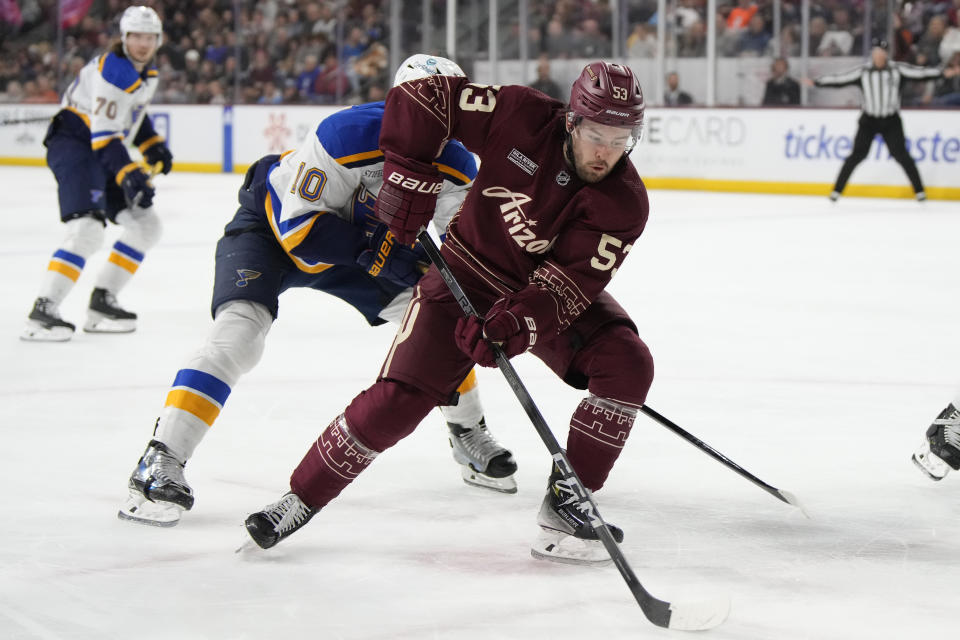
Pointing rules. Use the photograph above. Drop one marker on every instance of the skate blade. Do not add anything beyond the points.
(477, 479)
(154, 514)
(38, 333)
(931, 466)
(566, 549)
(99, 323)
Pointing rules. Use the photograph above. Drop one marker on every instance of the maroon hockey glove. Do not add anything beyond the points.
(408, 196)
(511, 322)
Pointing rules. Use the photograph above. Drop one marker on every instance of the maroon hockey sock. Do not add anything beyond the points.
(334, 460)
(598, 431)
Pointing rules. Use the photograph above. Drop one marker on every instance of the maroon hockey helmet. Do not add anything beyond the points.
(610, 94)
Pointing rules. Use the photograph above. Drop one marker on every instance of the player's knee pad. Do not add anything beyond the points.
(141, 228)
(619, 366)
(235, 343)
(84, 236)
(387, 412)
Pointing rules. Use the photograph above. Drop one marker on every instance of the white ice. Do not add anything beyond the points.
(811, 343)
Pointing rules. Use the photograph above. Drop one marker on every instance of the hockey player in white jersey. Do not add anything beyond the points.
(306, 220)
(103, 110)
(940, 450)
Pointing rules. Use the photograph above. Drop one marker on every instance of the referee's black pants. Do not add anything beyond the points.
(891, 128)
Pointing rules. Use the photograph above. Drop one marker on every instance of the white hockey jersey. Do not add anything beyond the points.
(337, 170)
(111, 97)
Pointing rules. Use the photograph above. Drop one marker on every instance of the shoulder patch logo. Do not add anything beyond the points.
(563, 178)
(246, 275)
(522, 161)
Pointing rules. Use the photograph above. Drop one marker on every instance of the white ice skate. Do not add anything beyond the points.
(44, 324)
(483, 461)
(159, 492)
(565, 532)
(940, 450)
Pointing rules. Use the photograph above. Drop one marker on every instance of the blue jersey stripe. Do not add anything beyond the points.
(204, 383)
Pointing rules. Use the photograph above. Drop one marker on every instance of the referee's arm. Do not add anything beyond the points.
(845, 79)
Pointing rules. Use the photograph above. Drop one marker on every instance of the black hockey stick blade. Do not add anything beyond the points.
(784, 496)
(684, 617)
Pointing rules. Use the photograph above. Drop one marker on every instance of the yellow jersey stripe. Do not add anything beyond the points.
(452, 172)
(366, 155)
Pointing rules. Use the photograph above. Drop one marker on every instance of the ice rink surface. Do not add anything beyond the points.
(811, 343)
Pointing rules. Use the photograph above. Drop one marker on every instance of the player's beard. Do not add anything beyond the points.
(583, 169)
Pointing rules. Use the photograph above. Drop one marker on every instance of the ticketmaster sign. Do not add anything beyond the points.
(791, 151)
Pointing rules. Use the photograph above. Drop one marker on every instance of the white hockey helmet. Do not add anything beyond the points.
(140, 19)
(421, 65)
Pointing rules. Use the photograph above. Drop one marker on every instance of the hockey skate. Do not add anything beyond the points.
(159, 493)
(940, 451)
(483, 462)
(276, 521)
(105, 316)
(44, 323)
(565, 531)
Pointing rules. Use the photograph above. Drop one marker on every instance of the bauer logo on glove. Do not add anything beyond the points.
(382, 255)
(412, 184)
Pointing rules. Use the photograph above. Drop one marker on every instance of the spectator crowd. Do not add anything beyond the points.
(336, 51)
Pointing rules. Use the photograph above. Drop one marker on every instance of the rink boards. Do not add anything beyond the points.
(796, 151)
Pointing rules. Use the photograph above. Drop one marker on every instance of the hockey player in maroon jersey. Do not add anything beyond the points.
(553, 212)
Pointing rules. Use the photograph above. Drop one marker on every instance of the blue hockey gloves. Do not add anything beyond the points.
(388, 258)
(137, 190)
(159, 153)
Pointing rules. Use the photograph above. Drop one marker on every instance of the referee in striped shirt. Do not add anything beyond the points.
(880, 80)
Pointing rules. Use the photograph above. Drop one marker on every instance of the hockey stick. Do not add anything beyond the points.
(785, 496)
(35, 120)
(685, 617)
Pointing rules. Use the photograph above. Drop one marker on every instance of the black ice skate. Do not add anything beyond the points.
(158, 489)
(106, 316)
(278, 520)
(565, 531)
(483, 461)
(44, 323)
(940, 451)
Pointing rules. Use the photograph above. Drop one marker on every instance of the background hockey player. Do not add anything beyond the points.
(555, 208)
(306, 220)
(97, 181)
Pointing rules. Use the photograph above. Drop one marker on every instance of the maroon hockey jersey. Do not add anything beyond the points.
(528, 217)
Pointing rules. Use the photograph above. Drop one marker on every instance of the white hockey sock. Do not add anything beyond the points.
(83, 239)
(468, 411)
(141, 231)
(200, 389)
(56, 285)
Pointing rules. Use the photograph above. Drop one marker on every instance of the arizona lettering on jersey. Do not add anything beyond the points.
(529, 219)
(319, 193)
